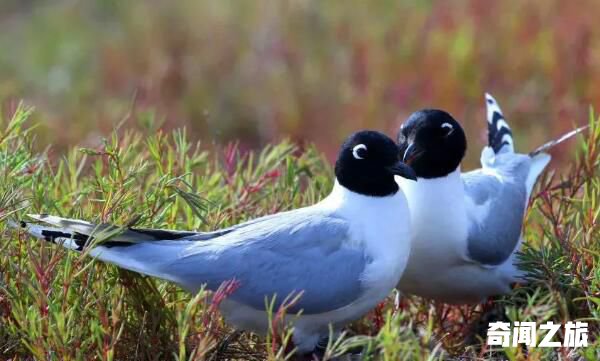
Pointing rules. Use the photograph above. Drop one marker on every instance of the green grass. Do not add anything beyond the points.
(58, 305)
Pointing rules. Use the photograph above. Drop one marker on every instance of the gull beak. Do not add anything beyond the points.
(411, 153)
(403, 170)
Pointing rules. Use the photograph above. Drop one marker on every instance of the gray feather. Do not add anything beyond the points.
(282, 254)
(493, 236)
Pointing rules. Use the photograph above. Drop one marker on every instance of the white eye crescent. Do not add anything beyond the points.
(449, 127)
(356, 151)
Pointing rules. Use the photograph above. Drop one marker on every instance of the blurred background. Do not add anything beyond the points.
(313, 71)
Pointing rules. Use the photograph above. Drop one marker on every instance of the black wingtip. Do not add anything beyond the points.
(499, 132)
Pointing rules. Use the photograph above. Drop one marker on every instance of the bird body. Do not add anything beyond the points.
(380, 270)
(343, 254)
(466, 227)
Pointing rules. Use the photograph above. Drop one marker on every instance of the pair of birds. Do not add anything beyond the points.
(399, 215)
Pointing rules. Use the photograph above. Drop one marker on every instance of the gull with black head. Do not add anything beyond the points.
(345, 253)
(466, 226)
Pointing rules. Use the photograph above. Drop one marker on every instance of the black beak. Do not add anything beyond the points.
(403, 170)
(411, 153)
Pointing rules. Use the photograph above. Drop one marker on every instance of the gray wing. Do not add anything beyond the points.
(279, 255)
(498, 200)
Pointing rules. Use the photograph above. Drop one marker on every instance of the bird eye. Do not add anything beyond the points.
(359, 151)
(448, 128)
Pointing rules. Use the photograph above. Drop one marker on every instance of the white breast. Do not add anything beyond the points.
(438, 215)
(439, 225)
(382, 227)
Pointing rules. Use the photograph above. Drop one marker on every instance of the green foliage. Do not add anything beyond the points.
(58, 305)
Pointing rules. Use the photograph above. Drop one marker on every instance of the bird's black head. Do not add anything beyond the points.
(432, 142)
(367, 163)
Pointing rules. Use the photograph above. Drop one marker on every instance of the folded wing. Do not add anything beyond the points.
(297, 251)
(278, 255)
(496, 202)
